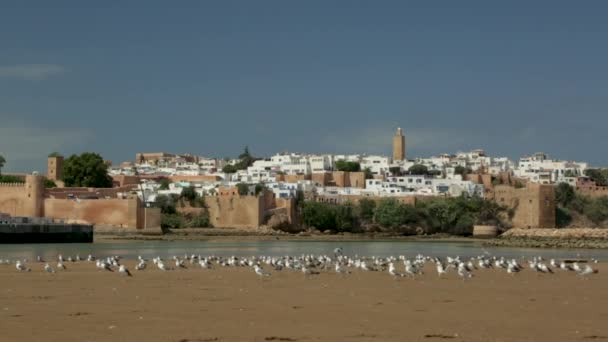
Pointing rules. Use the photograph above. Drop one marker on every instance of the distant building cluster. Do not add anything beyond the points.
(376, 176)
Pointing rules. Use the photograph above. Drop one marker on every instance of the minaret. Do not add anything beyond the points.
(398, 145)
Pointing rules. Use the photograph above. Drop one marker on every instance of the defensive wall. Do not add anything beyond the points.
(230, 210)
(533, 205)
(82, 205)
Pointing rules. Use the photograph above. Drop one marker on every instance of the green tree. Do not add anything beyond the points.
(229, 168)
(418, 169)
(366, 209)
(164, 184)
(463, 171)
(350, 166)
(2, 162)
(319, 215)
(189, 194)
(48, 183)
(391, 213)
(243, 189)
(86, 170)
(166, 204)
(346, 220)
(11, 179)
(246, 159)
(259, 188)
(599, 176)
(395, 171)
(564, 194)
(368, 173)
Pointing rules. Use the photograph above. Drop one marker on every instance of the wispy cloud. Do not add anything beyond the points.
(31, 72)
(26, 146)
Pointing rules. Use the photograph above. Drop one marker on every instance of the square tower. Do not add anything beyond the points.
(398, 145)
(55, 168)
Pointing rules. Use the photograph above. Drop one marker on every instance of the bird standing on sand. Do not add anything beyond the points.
(61, 266)
(587, 271)
(463, 271)
(122, 269)
(441, 270)
(259, 271)
(393, 271)
(21, 267)
(48, 268)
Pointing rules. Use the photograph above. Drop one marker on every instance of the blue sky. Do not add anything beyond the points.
(207, 78)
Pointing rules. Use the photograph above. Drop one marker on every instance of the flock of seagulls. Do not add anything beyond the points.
(310, 265)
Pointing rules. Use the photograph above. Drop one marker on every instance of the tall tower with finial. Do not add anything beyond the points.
(398, 145)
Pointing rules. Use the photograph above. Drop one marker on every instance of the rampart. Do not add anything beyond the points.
(82, 205)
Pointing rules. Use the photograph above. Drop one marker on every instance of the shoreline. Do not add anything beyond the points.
(212, 235)
(545, 238)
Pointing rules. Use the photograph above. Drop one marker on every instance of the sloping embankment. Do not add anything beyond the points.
(553, 238)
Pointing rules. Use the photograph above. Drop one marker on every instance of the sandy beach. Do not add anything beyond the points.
(233, 304)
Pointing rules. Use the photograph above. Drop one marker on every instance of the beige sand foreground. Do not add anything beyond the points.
(83, 304)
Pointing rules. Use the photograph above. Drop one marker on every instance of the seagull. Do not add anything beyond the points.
(259, 271)
(39, 259)
(441, 270)
(340, 268)
(104, 265)
(338, 252)
(123, 269)
(392, 271)
(21, 267)
(161, 266)
(463, 272)
(587, 271)
(61, 266)
(48, 268)
(141, 266)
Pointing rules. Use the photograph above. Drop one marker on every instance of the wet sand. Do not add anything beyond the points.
(84, 304)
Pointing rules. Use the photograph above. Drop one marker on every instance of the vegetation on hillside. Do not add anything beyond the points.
(599, 176)
(172, 218)
(446, 215)
(572, 206)
(246, 159)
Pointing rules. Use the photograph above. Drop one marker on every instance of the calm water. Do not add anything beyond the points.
(149, 249)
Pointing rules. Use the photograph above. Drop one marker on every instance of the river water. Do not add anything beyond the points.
(149, 249)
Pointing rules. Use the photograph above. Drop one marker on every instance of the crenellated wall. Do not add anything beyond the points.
(23, 199)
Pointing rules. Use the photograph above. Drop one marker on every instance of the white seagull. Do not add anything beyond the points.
(124, 270)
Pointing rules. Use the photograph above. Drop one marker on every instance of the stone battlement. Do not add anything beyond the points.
(12, 185)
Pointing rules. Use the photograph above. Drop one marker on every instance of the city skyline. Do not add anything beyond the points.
(208, 79)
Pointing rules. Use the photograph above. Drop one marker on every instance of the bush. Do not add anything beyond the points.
(243, 189)
(200, 221)
(391, 213)
(166, 204)
(343, 165)
(319, 215)
(189, 194)
(172, 221)
(597, 210)
(366, 209)
(564, 194)
(562, 217)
